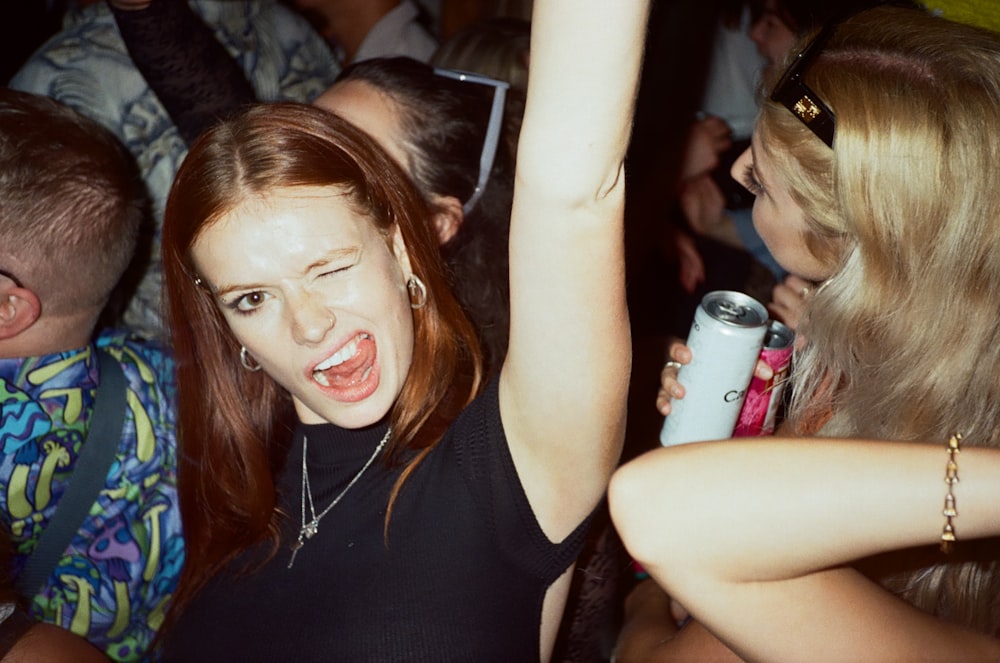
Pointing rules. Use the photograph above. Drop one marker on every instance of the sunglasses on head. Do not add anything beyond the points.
(792, 93)
(492, 139)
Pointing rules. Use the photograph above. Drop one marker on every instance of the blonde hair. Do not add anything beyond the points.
(495, 47)
(903, 340)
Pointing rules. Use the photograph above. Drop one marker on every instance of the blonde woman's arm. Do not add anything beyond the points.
(565, 380)
(754, 537)
(650, 632)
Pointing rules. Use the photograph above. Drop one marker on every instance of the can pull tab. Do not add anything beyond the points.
(731, 311)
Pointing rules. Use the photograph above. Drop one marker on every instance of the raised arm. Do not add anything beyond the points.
(752, 536)
(565, 380)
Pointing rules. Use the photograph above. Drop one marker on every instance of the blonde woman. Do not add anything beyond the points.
(873, 162)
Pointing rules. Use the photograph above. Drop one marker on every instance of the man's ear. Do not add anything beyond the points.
(447, 217)
(19, 309)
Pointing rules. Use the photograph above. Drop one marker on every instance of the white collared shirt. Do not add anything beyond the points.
(398, 33)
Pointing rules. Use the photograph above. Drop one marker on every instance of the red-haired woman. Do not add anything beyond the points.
(350, 488)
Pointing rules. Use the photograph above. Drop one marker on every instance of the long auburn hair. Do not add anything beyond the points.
(902, 341)
(235, 426)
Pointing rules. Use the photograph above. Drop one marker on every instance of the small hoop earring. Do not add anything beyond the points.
(248, 361)
(417, 290)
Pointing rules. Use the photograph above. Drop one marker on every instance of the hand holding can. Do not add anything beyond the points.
(680, 354)
(725, 340)
(670, 388)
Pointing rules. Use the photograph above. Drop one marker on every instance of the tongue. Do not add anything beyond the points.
(354, 370)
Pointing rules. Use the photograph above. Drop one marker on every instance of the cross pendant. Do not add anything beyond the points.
(295, 550)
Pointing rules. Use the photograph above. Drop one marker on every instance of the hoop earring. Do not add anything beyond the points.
(248, 361)
(417, 290)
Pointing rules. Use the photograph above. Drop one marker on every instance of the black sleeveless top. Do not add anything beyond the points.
(461, 577)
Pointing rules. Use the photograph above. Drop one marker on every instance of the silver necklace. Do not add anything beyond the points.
(311, 528)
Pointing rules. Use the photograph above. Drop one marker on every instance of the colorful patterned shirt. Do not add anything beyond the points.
(113, 583)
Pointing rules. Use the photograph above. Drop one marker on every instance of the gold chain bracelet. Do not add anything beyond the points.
(951, 478)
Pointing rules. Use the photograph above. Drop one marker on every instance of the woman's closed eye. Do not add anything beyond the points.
(335, 270)
(750, 181)
(336, 263)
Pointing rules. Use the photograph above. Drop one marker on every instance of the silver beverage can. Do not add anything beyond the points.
(725, 339)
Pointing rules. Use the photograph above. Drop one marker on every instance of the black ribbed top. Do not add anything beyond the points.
(462, 576)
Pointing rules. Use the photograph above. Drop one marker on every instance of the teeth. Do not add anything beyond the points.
(337, 359)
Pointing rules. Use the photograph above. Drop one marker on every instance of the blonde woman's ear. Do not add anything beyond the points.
(447, 218)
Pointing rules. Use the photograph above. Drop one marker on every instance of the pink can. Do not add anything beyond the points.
(760, 408)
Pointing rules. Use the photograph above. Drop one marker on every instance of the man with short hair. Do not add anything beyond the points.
(71, 208)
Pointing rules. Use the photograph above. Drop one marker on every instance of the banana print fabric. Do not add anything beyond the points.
(114, 582)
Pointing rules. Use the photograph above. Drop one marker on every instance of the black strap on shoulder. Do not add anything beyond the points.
(91, 471)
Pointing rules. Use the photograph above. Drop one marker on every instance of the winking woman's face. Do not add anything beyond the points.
(318, 297)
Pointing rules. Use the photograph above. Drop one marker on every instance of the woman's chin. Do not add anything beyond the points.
(361, 408)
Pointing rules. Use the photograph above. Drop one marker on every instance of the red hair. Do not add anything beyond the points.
(235, 426)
